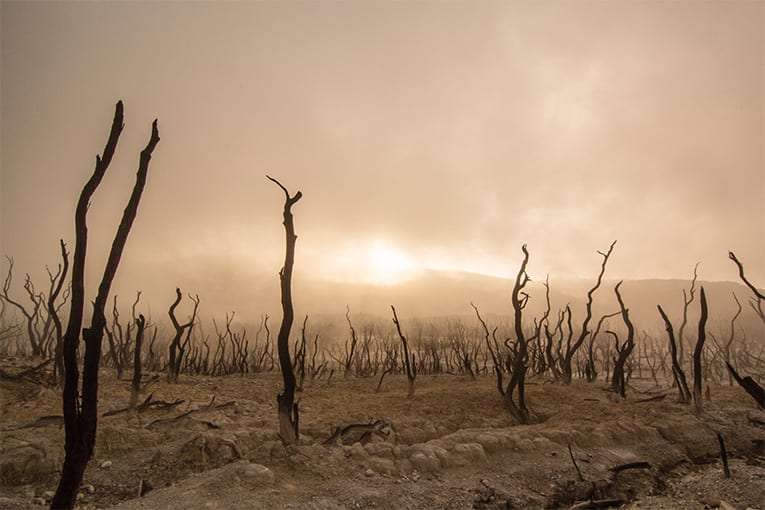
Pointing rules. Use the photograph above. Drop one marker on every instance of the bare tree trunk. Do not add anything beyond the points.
(288, 408)
(176, 349)
(618, 382)
(135, 385)
(759, 297)
(697, 375)
(81, 415)
(567, 371)
(59, 348)
(354, 341)
(518, 361)
(677, 369)
(411, 367)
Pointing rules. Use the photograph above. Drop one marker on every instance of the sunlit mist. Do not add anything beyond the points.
(424, 136)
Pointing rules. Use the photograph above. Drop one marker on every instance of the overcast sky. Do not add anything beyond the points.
(422, 135)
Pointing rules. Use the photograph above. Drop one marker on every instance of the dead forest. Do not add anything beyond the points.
(76, 348)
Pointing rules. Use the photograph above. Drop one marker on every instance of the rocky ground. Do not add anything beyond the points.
(212, 443)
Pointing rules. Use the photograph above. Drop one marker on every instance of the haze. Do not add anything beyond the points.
(427, 135)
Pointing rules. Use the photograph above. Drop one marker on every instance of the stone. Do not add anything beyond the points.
(106, 464)
(252, 470)
(424, 461)
(21, 461)
(382, 465)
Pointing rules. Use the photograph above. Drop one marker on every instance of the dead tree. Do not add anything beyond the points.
(618, 382)
(496, 356)
(410, 366)
(116, 331)
(177, 348)
(288, 408)
(32, 314)
(300, 355)
(725, 348)
(81, 414)
(756, 391)
(697, 397)
(135, 385)
(349, 352)
(688, 298)
(677, 368)
(759, 298)
(58, 356)
(515, 397)
(590, 371)
(566, 369)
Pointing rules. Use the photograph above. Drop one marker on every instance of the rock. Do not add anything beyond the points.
(48, 495)
(401, 451)
(38, 501)
(252, 470)
(369, 473)
(90, 489)
(382, 465)
(424, 461)
(489, 442)
(22, 461)
(106, 464)
(464, 454)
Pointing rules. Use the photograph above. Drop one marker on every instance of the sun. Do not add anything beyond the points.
(388, 265)
(372, 260)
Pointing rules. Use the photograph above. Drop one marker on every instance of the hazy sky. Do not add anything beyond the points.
(422, 134)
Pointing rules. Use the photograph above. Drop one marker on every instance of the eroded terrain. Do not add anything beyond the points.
(212, 443)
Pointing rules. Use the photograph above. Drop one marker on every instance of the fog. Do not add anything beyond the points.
(423, 136)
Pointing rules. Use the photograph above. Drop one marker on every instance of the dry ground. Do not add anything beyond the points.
(452, 446)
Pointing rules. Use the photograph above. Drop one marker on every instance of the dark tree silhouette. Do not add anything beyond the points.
(32, 314)
(288, 408)
(698, 403)
(53, 311)
(410, 366)
(677, 369)
(177, 348)
(618, 382)
(759, 298)
(135, 384)
(566, 369)
(80, 414)
(518, 357)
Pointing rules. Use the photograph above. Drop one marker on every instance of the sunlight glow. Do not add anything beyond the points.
(387, 265)
(376, 261)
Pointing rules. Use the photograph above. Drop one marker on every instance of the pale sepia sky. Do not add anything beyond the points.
(422, 135)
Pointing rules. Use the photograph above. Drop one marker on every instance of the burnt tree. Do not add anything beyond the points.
(759, 298)
(349, 353)
(515, 398)
(81, 413)
(566, 361)
(697, 398)
(677, 369)
(135, 383)
(177, 348)
(624, 350)
(58, 371)
(288, 408)
(411, 367)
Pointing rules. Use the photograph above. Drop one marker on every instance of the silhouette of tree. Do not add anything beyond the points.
(80, 413)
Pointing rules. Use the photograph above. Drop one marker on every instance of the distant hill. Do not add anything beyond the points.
(449, 293)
